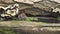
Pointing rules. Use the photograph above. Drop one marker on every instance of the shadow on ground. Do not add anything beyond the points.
(47, 20)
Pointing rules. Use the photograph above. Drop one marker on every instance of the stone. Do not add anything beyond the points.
(7, 1)
(58, 1)
(27, 1)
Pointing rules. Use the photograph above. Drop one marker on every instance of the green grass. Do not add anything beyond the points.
(27, 19)
(18, 22)
(6, 31)
(58, 18)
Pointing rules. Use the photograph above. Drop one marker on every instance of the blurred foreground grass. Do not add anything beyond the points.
(58, 18)
(6, 31)
(17, 22)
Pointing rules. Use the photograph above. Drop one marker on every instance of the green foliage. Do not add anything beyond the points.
(6, 31)
(58, 18)
(31, 18)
